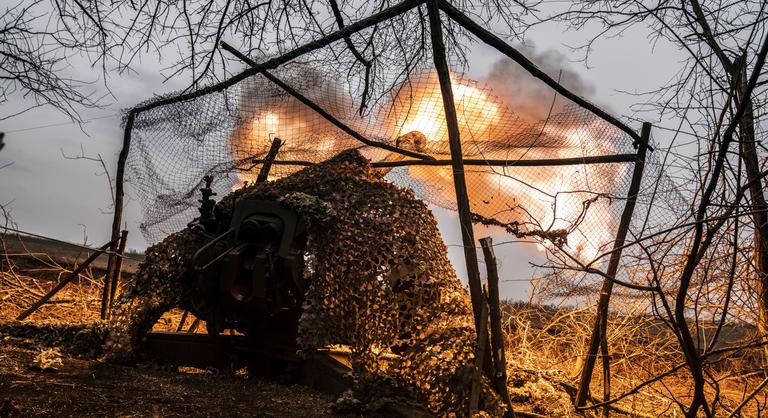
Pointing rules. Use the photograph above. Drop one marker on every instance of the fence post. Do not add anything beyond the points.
(105, 291)
(118, 269)
(480, 360)
(118, 216)
(599, 328)
(459, 182)
(497, 336)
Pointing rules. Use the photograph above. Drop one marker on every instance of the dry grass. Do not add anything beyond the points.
(545, 346)
(80, 301)
(551, 341)
(26, 276)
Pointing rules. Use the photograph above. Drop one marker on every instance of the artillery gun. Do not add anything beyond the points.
(331, 256)
(249, 278)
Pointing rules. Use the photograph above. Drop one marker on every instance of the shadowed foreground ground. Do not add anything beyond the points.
(88, 388)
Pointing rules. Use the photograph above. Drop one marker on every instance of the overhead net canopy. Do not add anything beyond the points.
(174, 146)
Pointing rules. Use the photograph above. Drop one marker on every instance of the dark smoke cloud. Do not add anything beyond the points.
(529, 97)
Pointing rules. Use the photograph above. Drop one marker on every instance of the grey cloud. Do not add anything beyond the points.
(529, 97)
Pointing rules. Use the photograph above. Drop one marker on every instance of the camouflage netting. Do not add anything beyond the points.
(226, 130)
(380, 281)
(505, 116)
(173, 147)
(78, 340)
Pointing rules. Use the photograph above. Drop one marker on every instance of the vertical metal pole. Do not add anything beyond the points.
(459, 182)
(601, 320)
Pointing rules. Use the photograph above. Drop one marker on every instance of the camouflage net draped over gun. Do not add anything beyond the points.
(380, 281)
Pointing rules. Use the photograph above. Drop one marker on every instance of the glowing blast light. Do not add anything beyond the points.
(423, 111)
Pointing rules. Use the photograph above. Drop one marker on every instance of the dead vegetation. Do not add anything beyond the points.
(545, 347)
(544, 351)
(647, 374)
(49, 366)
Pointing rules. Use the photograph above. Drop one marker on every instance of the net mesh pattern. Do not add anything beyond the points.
(573, 210)
(570, 209)
(173, 147)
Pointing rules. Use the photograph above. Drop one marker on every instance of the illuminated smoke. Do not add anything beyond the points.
(538, 198)
(269, 112)
(545, 199)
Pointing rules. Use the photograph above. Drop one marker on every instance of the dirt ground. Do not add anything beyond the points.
(84, 388)
(81, 387)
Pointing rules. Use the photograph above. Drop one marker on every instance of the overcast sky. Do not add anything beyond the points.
(66, 199)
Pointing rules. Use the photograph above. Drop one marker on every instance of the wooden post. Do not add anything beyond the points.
(482, 344)
(601, 319)
(60, 285)
(497, 336)
(118, 216)
(105, 291)
(270, 158)
(115, 283)
(459, 182)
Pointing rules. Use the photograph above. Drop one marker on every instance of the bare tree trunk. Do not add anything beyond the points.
(759, 209)
(748, 153)
(598, 338)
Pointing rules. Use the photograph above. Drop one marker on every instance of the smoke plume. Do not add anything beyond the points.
(529, 97)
